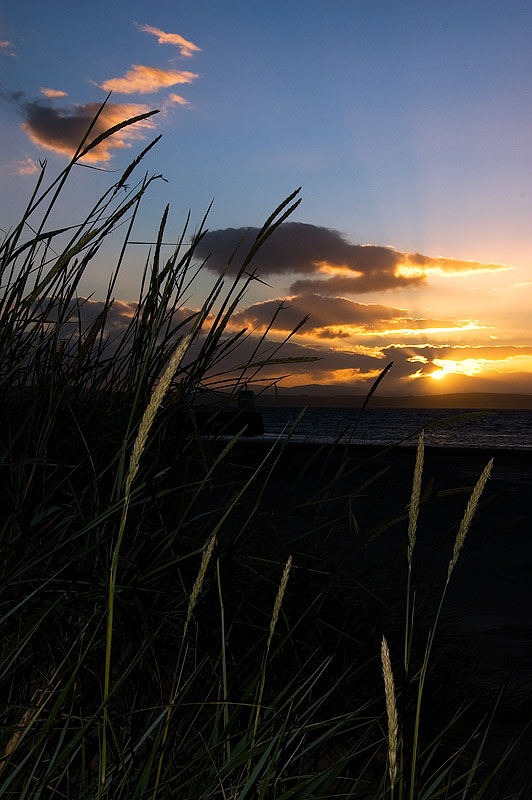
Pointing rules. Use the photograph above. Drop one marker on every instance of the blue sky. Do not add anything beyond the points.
(407, 124)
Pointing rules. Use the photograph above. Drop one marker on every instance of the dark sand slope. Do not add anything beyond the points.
(491, 586)
(489, 599)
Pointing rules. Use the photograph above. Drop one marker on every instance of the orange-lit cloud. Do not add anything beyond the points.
(61, 130)
(186, 48)
(340, 318)
(418, 266)
(451, 368)
(423, 327)
(176, 98)
(335, 377)
(331, 265)
(327, 315)
(145, 80)
(52, 92)
(26, 166)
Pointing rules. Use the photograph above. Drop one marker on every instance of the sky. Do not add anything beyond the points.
(407, 125)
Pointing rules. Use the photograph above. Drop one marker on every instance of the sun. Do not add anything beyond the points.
(438, 375)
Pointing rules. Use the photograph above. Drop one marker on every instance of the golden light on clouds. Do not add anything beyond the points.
(176, 98)
(51, 93)
(336, 376)
(479, 366)
(145, 80)
(26, 166)
(461, 327)
(61, 131)
(444, 268)
(186, 48)
(360, 349)
(469, 366)
(333, 269)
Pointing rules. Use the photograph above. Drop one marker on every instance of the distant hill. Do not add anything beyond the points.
(301, 396)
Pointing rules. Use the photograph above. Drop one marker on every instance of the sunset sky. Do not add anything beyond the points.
(408, 126)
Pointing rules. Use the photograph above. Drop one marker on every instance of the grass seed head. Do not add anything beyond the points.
(198, 583)
(156, 399)
(468, 516)
(391, 710)
(279, 600)
(413, 511)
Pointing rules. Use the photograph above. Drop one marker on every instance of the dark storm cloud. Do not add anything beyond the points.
(297, 247)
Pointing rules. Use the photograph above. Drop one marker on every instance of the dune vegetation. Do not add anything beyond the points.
(168, 630)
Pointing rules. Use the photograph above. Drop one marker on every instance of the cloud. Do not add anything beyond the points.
(450, 369)
(415, 264)
(52, 92)
(331, 263)
(25, 166)
(119, 316)
(145, 80)
(372, 282)
(62, 129)
(444, 368)
(186, 48)
(340, 318)
(428, 368)
(176, 98)
(7, 48)
(324, 312)
(22, 166)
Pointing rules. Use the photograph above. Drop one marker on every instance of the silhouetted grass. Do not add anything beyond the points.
(170, 628)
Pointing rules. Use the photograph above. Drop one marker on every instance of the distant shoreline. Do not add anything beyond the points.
(470, 401)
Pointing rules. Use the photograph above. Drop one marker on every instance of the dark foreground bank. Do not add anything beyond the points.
(361, 496)
(365, 493)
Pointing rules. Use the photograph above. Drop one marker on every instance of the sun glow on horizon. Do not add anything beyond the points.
(477, 366)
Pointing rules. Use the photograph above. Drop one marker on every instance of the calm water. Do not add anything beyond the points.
(443, 427)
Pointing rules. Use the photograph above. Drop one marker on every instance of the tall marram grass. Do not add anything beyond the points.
(168, 630)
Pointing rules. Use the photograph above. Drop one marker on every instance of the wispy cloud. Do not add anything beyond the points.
(176, 98)
(61, 130)
(331, 264)
(7, 48)
(21, 166)
(186, 48)
(26, 166)
(51, 93)
(141, 79)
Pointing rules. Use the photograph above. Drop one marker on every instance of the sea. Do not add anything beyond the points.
(494, 429)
